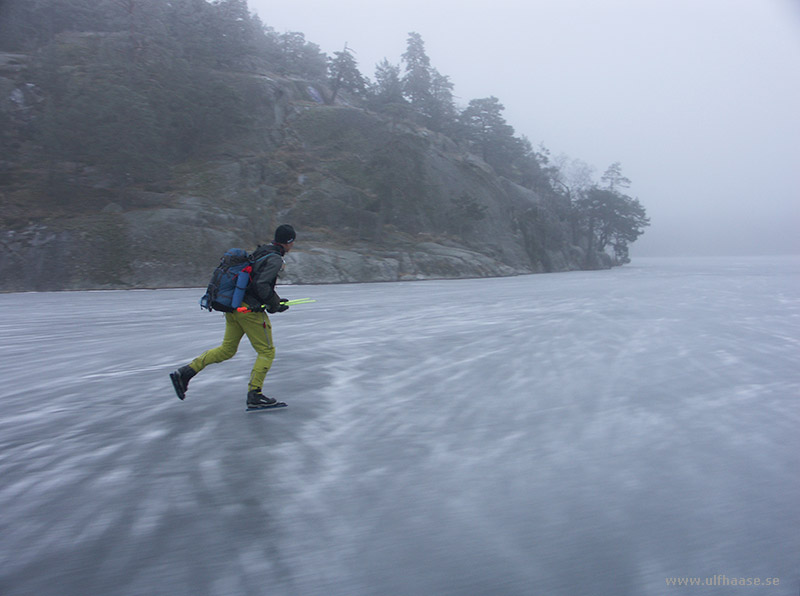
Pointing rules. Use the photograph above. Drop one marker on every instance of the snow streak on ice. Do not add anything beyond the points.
(574, 433)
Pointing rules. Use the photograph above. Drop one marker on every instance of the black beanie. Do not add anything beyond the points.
(284, 234)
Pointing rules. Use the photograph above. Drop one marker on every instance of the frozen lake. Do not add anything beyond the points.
(561, 434)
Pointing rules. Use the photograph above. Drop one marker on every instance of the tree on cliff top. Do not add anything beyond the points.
(417, 80)
(343, 73)
(483, 124)
(429, 92)
(387, 88)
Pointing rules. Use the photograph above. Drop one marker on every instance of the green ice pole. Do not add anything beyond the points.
(299, 301)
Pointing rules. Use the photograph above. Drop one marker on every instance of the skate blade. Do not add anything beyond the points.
(277, 406)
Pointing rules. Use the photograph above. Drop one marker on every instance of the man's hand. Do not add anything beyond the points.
(279, 307)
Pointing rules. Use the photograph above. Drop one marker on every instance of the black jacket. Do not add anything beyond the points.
(261, 291)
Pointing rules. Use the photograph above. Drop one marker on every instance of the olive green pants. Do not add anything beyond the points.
(258, 329)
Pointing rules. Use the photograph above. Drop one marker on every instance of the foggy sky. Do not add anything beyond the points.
(698, 99)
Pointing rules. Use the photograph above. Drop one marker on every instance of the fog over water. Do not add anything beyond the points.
(572, 433)
(697, 100)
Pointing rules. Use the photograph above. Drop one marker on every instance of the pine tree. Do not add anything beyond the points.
(234, 34)
(299, 57)
(417, 80)
(387, 88)
(613, 177)
(482, 123)
(441, 108)
(343, 73)
(612, 218)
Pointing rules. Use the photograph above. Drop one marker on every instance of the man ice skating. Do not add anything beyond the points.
(253, 322)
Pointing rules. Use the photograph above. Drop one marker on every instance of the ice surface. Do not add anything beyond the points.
(562, 434)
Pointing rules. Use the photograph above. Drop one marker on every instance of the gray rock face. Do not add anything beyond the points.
(372, 200)
(427, 261)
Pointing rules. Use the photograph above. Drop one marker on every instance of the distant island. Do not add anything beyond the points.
(140, 140)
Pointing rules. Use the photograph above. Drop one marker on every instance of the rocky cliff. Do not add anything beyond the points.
(372, 198)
